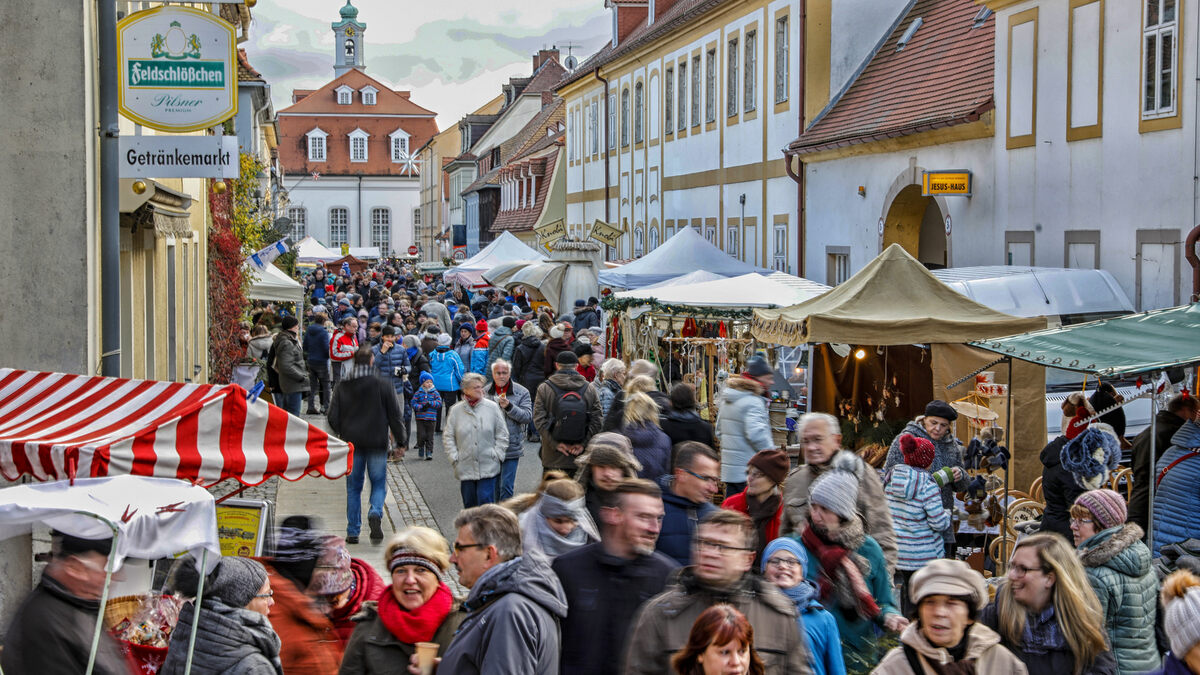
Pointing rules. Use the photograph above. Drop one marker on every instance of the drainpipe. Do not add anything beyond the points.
(798, 173)
(361, 239)
(110, 213)
(1189, 252)
(607, 140)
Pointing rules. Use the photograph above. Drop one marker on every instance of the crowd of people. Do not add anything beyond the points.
(621, 561)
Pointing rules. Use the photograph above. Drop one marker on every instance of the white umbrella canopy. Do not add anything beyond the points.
(499, 275)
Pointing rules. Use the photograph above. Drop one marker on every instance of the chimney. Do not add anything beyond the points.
(547, 98)
(543, 56)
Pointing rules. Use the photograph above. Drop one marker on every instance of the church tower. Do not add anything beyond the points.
(348, 45)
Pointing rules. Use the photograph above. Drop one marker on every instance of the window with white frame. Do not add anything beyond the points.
(639, 116)
(316, 145)
(710, 86)
(781, 59)
(669, 101)
(417, 217)
(299, 217)
(670, 231)
(652, 238)
(731, 75)
(639, 239)
(837, 264)
(381, 229)
(358, 146)
(696, 90)
(571, 133)
(683, 95)
(1160, 58)
(779, 256)
(710, 233)
(750, 79)
(339, 219)
(399, 145)
(345, 95)
(595, 126)
(624, 117)
(612, 121)
(733, 240)
(368, 95)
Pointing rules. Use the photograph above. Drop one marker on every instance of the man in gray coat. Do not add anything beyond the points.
(290, 365)
(514, 605)
(517, 405)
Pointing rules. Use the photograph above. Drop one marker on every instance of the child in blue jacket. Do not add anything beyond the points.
(426, 403)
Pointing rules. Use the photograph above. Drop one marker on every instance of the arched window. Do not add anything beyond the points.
(349, 44)
(381, 229)
(639, 133)
(653, 242)
(624, 117)
(639, 238)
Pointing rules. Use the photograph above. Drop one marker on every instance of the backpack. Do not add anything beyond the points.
(569, 415)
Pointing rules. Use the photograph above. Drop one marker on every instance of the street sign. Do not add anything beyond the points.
(413, 250)
(605, 233)
(460, 253)
(179, 157)
(551, 231)
(950, 182)
(177, 69)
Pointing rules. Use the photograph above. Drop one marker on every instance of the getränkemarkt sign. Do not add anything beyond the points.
(178, 69)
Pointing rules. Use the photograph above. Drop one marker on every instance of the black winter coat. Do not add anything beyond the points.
(686, 425)
(51, 634)
(362, 411)
(1059, 490)
(598, 620)
(528, 359)
(229, 641)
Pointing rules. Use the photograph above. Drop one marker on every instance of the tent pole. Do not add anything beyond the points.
(1153, 463)
(1008, 433)
(108, 572)
(187, 668)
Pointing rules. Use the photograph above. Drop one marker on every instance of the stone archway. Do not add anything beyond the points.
(916, 222)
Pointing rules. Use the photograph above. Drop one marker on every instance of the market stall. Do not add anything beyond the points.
(686, 251)
(505, 248)
(569, 275)
(348, 261)
(272, 283)
(310, 250)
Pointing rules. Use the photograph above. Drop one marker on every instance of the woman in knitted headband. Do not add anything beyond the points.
(418, 606)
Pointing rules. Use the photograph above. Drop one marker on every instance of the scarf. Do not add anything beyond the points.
(841, 573)
(419, 625)
(762, 513)
(537, 531)
(1041, 634)
(804, 594)
(958, 664)
(412, 352)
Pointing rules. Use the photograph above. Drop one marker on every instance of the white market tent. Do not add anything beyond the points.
(685, 252)
(365, 252)
(747, 290)
(697, 277)
(272, 283)
(310, 250)
(505, 248)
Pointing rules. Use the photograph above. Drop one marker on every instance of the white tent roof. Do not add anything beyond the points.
(272, 283)
(685, 252)
(365, 252)
(747, 290)
(697, 277)
(506, 248)
(311, 250)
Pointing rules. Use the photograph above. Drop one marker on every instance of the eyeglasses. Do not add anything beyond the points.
(459, 548)
(707, 479)
(785, 563)
(1017, 571)
(710, 545)
(268, 594)
(1082, 521)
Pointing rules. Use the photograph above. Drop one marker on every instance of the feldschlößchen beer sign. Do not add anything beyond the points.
(178, 69)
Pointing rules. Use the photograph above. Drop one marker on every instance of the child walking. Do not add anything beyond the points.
(426, 403)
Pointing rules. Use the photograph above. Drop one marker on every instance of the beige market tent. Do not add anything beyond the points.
(895, 301)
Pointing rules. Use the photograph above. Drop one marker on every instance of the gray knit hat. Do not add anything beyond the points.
(1181, 621)
(235, 581)
(836, 491)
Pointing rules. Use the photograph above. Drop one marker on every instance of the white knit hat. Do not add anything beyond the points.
(1181, 621)
(836, 491)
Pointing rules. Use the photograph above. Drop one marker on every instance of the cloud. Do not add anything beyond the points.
(451, 54)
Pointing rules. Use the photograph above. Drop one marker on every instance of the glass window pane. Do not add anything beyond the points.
(1151, 13)
(669, 101)
(1151, 52)
(683, 97)
(1168, 11)
(1166, 71)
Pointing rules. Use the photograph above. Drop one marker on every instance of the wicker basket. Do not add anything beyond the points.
(120, 608)
(148, 659)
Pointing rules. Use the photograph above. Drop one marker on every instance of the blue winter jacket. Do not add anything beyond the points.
(824, 642)
(479, 357)
(425, 404)
(680, 518)
(651, 447)
(1176, 499)
(447, 369)
(316, 343)
(387, 364)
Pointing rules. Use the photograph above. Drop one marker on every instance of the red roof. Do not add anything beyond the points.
(523, 220)
(942, 77)
(246, 72)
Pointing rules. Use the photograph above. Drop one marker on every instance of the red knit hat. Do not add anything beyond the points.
(917, 451)
(482, 326)
(1077, 425)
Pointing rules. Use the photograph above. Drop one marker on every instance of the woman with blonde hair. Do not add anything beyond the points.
(418, 606)
(1046, 612)
(639, 423)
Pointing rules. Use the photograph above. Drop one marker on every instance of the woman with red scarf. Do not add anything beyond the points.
(417, 607)
(850, 569)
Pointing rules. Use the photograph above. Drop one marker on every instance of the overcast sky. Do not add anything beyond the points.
(452, 54)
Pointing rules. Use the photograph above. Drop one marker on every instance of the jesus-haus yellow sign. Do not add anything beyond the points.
(954, 182)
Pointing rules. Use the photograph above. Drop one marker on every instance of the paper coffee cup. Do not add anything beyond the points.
(426, 651)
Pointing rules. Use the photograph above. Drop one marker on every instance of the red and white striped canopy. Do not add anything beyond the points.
(55, 426)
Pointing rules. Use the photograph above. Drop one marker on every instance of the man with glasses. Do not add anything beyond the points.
(52, 631)
(723, 551)
(687, 498)
(514, 605)
(821, 443)
(600, 615)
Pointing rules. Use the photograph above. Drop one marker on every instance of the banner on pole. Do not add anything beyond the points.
(605, 233)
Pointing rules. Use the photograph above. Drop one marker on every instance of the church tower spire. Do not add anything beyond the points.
(348, 46)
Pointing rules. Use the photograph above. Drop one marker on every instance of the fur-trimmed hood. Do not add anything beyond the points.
(1117, 548)
(745, 384)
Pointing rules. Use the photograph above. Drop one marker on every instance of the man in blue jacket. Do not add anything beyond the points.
(687, 498)
(316, 350)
